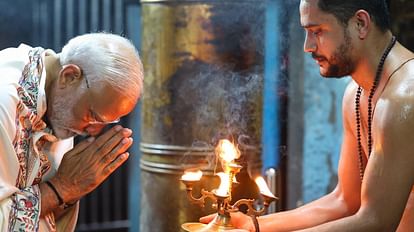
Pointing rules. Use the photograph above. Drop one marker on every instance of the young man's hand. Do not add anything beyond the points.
(241, 221)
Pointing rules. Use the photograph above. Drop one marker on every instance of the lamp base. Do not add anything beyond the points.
(218, 224)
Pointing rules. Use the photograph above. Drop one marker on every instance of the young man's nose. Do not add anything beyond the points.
(310, 44)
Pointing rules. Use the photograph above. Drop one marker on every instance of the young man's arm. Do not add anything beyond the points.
(342, 202)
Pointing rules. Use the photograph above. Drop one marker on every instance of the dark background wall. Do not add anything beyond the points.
(402, 15)
(15, 22)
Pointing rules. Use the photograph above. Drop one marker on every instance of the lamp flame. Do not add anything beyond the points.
(261, 183)
(223, 189)
(227, 151)
(192, 175)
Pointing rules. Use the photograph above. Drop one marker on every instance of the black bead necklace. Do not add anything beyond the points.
(370, 110)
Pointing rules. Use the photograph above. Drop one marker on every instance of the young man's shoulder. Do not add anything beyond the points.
(401, 84)
(396, 103)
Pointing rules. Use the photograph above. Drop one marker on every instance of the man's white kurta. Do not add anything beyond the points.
(15, 199)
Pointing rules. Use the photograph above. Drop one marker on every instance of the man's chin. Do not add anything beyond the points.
(330, 74)
(62, 133)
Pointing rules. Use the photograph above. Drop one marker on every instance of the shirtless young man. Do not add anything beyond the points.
(375, 182)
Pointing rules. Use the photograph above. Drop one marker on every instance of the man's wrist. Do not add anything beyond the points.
(55, 192)
(61, 202)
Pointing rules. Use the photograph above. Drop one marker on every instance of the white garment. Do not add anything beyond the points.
(12, 62)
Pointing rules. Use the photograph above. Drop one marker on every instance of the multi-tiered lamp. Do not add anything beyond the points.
(226, 153)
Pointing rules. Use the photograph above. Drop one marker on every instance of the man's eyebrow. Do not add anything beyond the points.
(310, 25)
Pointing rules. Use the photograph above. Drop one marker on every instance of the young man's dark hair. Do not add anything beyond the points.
(345, 9)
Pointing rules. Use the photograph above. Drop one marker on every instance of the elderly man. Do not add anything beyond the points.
(46, 99)
(376, 170)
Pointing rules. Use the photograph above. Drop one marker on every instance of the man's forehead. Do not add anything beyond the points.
(309, 1)
(311, 15)
(307, 12)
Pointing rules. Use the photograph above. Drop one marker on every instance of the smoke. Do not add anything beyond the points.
(219, 97)
(217, 103)
(191, 158)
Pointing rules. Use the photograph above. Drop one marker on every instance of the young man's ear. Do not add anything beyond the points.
(362, 23)
(69, 74)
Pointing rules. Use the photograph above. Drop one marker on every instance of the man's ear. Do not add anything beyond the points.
(362, 23)
(69, 74)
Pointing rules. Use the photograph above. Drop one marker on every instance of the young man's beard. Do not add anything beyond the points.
(340, 63)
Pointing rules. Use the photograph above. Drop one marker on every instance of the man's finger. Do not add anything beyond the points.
(120, 148)
(115, 164)
(81, 146)
(113, 142)
(208, 218)
(102, 139)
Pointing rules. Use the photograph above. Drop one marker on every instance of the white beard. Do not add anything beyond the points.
(62, 118)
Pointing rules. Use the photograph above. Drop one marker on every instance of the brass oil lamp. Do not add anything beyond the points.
(227, 153)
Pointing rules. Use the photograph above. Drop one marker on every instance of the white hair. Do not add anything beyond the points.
(106, 58)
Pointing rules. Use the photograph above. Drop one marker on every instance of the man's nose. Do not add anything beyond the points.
(310, 44)
(94, 130)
